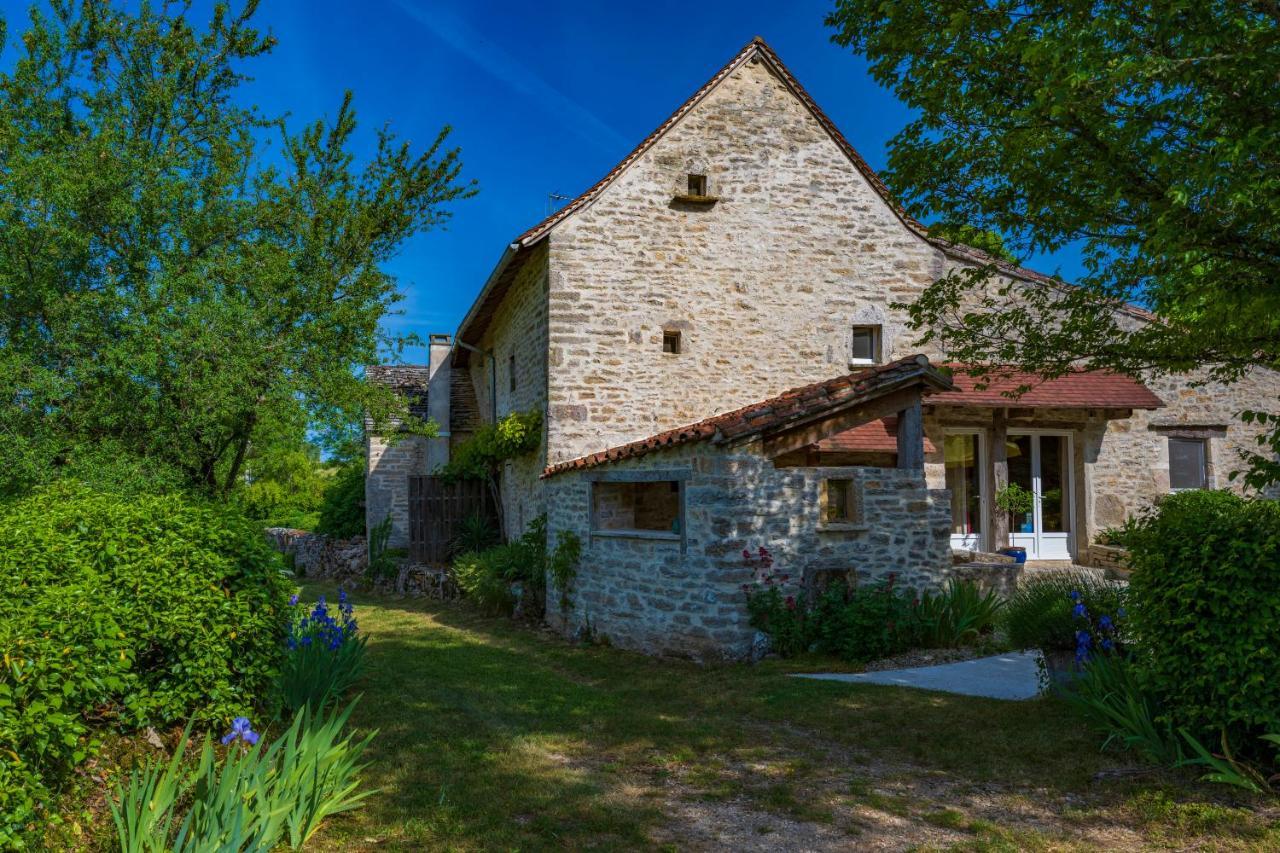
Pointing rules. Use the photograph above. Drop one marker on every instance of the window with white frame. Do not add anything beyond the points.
(865, 346)
(1188, 464)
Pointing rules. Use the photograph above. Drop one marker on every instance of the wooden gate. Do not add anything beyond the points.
(436, 510)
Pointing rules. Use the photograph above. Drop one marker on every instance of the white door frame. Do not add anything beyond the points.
(969, 541)
(1039, 544)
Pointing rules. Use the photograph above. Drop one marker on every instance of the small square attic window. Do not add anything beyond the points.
(671, 342)
(866, 345)
(698, 185)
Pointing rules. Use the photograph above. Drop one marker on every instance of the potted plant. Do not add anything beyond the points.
(1016, 501)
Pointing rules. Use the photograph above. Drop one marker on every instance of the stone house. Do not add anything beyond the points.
(742, 258)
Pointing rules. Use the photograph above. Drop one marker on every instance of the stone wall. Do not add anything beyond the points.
(519, 328)
(763, 286)
(660, 595)
(386, 487)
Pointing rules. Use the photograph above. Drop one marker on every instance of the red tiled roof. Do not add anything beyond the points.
(499, 281)
(879, 436)
(1081, 389)
(789, 409)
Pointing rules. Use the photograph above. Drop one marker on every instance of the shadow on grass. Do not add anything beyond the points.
(493, 734)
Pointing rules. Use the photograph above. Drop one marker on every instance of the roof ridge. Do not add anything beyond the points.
(757, 46)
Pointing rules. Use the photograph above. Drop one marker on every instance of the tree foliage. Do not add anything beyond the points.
(1147, 136)
(177, 266)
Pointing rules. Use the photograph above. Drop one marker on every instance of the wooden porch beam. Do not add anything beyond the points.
(911, 437)
(998, 453)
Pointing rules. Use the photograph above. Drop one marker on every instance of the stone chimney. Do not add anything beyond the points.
(438, 370)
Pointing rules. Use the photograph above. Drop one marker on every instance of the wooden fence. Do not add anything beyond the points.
(437, 510)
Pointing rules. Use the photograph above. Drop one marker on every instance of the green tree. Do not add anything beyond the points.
(1147, 136)
(177, 268)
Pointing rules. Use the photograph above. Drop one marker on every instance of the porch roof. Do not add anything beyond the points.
(784, 413)
(878, 436)
(1080, 389)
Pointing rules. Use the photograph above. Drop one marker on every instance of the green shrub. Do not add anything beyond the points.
(382, 560)
(786, 618)
(476, 533)
(958, 615)
(865, 623)
(125, 611)
(480, 455)
(342, 509)
(1039, 615)
(1205, 606)
(488, 576)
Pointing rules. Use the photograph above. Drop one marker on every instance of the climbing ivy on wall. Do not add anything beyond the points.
(482, 454)
(480, 457)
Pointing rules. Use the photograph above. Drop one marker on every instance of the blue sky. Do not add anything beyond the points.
(543, 98)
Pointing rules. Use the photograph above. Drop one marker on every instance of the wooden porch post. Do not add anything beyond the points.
(911, 437)
(999, 456)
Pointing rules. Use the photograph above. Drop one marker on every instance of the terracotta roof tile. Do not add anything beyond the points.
(878, 436)
(1081, 389)
(794, 407)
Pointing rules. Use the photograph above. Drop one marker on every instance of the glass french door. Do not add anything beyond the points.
(1040, 462)
(966, 479)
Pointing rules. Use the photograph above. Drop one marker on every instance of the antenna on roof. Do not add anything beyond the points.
(555, 201)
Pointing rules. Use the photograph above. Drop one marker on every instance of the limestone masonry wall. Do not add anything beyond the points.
(652, 596)
(763, 286)
(519, 328)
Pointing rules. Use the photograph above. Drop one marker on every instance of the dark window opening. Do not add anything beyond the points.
(511, 373)
(698, 185)
(839, 503)
(671, 342)
(1187, 464)
(866, 345)
(651, 506)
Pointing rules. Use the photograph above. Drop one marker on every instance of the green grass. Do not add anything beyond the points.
(496, 736)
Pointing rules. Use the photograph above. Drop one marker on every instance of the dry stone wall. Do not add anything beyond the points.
(651, 595)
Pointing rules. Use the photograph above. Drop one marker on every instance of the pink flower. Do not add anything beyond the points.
(746, 555)
(791, 602)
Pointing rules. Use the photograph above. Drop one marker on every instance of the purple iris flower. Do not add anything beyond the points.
(241, 729)
(1104, 622)
(293, 600)
(1075, 595)
(1079, 611)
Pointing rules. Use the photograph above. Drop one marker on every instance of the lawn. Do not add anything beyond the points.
(494, 735)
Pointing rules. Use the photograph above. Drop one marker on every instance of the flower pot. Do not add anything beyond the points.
(1060, 666)
(1019, 554)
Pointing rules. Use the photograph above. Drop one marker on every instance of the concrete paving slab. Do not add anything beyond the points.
(1012, 676)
